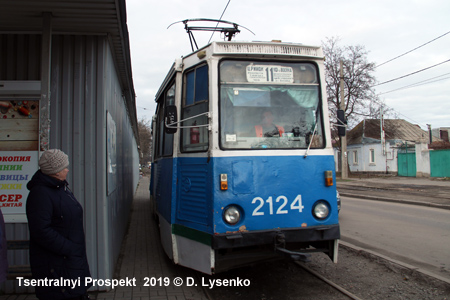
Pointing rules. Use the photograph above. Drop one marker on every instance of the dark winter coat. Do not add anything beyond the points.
(3, 250)
(57, 241)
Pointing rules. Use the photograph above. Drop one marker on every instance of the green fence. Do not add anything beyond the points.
(440, 163)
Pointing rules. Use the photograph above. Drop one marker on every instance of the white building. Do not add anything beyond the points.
(367, 152)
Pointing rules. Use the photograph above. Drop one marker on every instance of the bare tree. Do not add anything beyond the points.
(145, 140)
(359, 95)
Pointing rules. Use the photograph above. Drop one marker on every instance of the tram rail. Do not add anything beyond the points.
(329, 282)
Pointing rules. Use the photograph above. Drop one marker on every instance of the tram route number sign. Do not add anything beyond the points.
(269, 73)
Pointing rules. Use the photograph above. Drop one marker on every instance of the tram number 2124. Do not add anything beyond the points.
(282, 206)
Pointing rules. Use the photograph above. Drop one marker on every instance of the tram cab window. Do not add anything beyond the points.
(272, 105)
(194, 133)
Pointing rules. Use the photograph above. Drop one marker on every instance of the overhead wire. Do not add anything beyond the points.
(406, 117)
(420, 83)
(424, 82)
(399, 113)
(219, 20)
(412, 73)
(412, 50)
(415, 84)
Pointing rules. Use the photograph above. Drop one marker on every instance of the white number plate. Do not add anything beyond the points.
(279, 206)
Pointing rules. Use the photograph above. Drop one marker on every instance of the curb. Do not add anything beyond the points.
(409, 267)
(419, 203)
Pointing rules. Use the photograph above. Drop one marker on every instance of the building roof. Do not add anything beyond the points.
(368, 131)
(83, 17)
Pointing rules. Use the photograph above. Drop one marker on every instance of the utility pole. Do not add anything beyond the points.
(430, 134)
(344, 164)
(382, 132)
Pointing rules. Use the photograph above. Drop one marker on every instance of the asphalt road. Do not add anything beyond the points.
(416, 235)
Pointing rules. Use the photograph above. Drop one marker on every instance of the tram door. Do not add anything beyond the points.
(162, 169)
(194, 180)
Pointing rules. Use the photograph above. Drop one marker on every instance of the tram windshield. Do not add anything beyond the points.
(269, 105)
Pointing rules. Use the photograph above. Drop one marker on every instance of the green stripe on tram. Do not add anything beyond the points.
(192, 234)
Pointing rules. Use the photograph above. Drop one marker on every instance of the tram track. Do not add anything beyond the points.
(288, 280)
(358, 275)
(329, 282)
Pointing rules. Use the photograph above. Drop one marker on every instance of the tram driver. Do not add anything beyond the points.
(267, 128)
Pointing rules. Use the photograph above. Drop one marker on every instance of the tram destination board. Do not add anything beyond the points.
(270, 73)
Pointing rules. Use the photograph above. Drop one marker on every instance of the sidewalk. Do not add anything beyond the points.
(143, 256)
(433, 192)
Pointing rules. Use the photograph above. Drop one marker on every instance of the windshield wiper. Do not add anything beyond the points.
(313, 133)
(310, 140)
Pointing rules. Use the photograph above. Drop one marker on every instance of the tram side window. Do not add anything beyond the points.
(159, 132)
(168, 138)
(165, 140)
(194, 136)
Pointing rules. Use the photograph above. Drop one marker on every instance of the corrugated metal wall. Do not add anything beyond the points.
(76, 124)
(84, 88)
(20, 57)
(126, 177)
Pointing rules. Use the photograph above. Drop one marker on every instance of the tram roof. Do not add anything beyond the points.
(257, 48)
(266, 49)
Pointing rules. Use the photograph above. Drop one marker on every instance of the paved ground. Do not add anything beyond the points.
(143, 258)
(433, 192)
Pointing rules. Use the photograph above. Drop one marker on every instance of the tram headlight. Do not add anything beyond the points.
(232, 215)
(321, 210)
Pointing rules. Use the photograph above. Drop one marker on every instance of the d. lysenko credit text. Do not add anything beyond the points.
(147, 281)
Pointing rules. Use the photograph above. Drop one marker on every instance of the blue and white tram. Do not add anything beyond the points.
(243, 167)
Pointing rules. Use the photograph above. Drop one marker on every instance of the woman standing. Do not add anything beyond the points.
(55, 221)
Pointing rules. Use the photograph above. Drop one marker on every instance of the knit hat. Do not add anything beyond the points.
(53, 161)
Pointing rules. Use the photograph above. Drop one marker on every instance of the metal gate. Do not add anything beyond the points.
(406, 159)
(440, 163)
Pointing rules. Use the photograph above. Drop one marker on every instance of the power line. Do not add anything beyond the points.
(404, 116)
(415, 84)
(427, 81)
(413, 49)
(412, 73)
(400, 114)
(408, 118)
(219, 20)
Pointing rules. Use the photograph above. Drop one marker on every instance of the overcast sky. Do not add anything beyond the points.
(386, 29)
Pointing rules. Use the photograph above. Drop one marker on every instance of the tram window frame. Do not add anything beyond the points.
(195, 101)
(165, 140)
(169, 100)
(159, 131)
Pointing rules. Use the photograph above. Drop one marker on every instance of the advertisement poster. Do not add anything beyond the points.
(112, 154)
(16, 169)
(19, 138)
